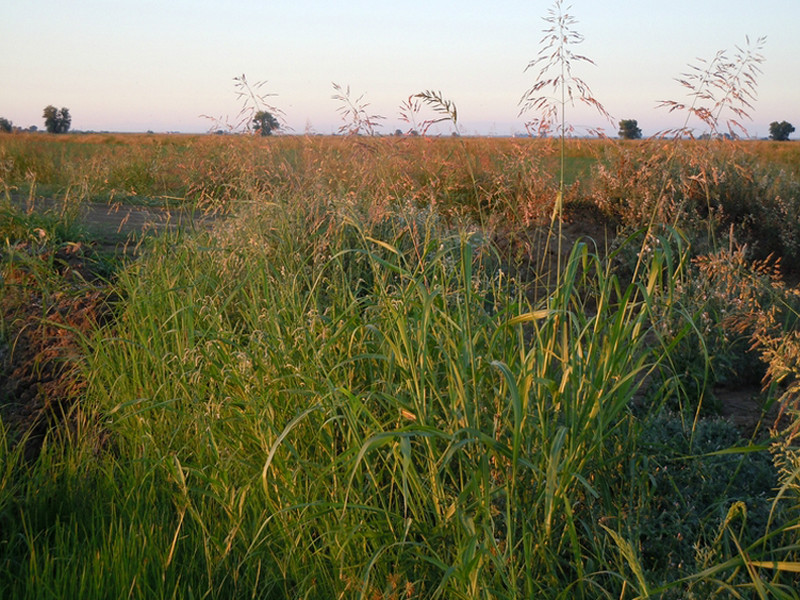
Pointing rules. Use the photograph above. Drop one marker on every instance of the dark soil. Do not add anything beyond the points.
(49, 303)
(116, 223)
(744, 407)
(40, 382)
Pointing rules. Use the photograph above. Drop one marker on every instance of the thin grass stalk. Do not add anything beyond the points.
(556, 54)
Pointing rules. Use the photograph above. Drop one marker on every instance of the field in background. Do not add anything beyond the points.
(398, 367)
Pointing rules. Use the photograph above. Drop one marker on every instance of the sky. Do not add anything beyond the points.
(169, 65)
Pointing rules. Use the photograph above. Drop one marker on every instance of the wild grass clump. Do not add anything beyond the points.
(319, 400)
(717, 193)
(56, 225)
(365, 383)
(38, 248)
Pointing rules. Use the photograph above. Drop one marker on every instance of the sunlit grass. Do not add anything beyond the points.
(348, 388)
(354, 387)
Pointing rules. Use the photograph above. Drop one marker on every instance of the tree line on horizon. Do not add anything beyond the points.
(264, 123)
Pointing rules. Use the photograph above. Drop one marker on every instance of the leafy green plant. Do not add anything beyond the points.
(696, 475)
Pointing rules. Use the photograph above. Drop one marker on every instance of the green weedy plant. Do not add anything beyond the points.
(328, 403)
(705, 471)
(35, 248)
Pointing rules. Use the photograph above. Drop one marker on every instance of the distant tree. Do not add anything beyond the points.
(56, 121)
(265, 123)
(780, 131)
(6, 125)
(629, 129)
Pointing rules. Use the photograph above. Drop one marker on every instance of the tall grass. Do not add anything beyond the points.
(320, 401)
(353, 410)
(356, 386)
(351, 390)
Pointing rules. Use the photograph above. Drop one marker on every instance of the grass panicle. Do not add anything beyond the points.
(722, 89)
(356, 119)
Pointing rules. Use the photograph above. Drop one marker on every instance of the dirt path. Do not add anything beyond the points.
(111, 223)
(135, 219)
(40, 383)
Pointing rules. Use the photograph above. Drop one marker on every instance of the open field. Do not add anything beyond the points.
(398, 368)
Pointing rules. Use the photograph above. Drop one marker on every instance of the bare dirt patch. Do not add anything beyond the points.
(110, 223)
(744, 407)
(39, 376)
(51, 300)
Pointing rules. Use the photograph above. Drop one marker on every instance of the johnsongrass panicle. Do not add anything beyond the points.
(556, 86)
(723, 91)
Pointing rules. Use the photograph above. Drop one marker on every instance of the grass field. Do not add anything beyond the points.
(401, 368)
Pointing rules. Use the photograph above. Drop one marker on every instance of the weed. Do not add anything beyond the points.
(441, 105)
(363, 381)
(253, 101)
(720, 86)
(695, 477)
(355, 118)
(555, 63)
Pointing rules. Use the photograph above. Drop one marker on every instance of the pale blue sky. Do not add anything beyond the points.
(160, 64)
